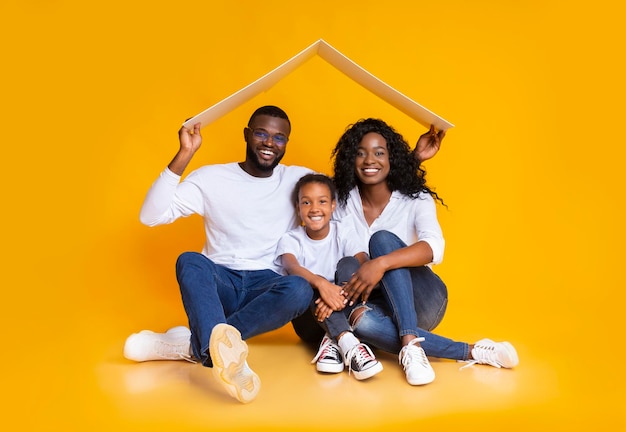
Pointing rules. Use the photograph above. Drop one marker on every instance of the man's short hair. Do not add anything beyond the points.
(269, 110)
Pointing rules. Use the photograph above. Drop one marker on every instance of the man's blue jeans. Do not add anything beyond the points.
(409, 301)
(252, 301)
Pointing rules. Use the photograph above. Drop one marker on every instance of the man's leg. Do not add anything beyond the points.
(269, 301)
(209, 294)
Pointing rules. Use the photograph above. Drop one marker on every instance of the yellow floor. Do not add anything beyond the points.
(533, 173)
(540, 394)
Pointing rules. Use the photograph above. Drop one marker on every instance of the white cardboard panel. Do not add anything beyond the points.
(341, 63)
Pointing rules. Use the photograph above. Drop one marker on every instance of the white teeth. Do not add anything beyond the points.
(316, 218)
(370, 170)
(266, 152)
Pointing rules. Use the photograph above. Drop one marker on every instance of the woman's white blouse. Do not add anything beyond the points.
(412, 220)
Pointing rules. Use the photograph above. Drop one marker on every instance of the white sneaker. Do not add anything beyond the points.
(496, 354)
(361, 362)
(416, 366)
(230, 368)
(147, 345)
(328, 358)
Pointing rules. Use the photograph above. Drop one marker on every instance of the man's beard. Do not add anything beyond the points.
(258, 164)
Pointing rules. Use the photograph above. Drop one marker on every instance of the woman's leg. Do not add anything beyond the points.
(430, 295)
(373, 324)
(391, 314)
(396, 285)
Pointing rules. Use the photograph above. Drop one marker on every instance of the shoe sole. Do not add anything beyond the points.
(369, 372)
(330, 367)
(228, 353)
(421, 382)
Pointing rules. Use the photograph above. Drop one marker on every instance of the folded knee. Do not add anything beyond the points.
(188, 257)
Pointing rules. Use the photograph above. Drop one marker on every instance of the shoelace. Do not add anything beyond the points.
(486, 355)
(411, 353)
(361, 354)
(327, 350)
(166, 350)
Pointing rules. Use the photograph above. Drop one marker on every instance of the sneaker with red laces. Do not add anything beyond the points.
(496, 354)
(361, 362)
(328, 358)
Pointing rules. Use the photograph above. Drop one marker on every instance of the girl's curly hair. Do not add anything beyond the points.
(405, 174)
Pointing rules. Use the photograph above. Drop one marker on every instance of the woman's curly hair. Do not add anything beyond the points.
(405, 173)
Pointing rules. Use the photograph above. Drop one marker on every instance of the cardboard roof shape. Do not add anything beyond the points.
(340, 62)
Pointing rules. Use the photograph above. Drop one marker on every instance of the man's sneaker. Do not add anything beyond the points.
(328, 358)
(361, 361)
(496, 354)
(416, 366)
(147, 345)
(230, 368)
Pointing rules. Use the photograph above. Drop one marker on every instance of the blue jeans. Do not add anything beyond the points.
(337, 323)
(252, 301)
(408, 301)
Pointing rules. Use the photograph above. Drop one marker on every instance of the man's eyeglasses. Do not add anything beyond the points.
(263, 135)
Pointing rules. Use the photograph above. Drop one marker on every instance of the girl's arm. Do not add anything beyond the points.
(329, 292)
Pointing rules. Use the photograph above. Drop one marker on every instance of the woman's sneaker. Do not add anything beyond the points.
(496, 354)
(361, 362)
(328, 358)
(416, 365)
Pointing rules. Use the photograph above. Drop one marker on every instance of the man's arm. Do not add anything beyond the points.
(156, 208)
(190, 141)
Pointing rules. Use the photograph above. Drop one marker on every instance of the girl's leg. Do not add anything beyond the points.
(308, 328)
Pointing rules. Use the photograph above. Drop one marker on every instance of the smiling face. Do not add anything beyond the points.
(372, 160)
(262, 155)
(315, 208)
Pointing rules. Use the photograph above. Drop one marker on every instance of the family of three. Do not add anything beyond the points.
(350, 268)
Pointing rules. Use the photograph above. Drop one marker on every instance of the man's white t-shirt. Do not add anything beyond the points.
(244, 216)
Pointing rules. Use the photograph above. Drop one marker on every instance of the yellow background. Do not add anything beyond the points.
(93, 94)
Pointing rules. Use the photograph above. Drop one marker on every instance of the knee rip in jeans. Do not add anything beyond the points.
(356, 315)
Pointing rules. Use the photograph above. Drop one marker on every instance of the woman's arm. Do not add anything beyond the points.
(365, 279)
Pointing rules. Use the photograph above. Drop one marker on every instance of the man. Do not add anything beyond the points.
(232, 290)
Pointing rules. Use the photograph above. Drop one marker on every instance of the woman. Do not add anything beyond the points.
(395, 299)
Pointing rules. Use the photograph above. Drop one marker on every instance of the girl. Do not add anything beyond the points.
(313, 251)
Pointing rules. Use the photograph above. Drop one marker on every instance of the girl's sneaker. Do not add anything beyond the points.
(362, 363)
(328, 358)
